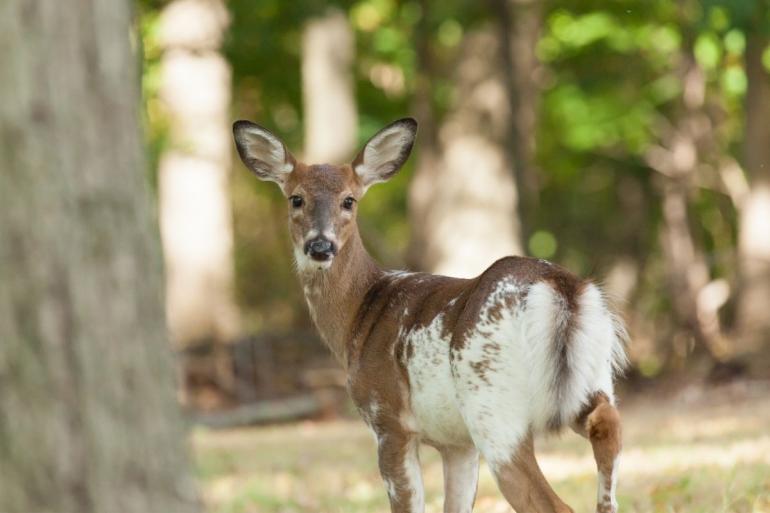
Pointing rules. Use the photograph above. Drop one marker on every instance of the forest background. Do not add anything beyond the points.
(625, 140)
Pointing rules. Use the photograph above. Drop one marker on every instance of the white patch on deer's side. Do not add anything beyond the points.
(506, 370)
(432, 391)
(492, 373)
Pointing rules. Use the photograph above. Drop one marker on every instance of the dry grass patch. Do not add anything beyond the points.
(697, 451)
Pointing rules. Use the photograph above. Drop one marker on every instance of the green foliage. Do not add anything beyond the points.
(610, 89)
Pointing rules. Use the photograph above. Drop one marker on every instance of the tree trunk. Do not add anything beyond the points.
(464, 205)
(331, 123)
(754, 234)
(88, 419)
(519, 23)
(196, 221)
(428, 155)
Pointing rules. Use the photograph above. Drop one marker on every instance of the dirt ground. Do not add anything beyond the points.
(693, 450)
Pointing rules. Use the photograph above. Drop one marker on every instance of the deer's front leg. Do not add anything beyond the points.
(461, 476)
(400, 469)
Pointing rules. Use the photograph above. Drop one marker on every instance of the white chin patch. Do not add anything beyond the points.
(305, 264)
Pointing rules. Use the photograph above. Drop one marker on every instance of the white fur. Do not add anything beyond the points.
(461, 475)
(399, 274)
(390, 487)
(499, 384)
(603, 491)
(432, 392)
(306, 265)
(413, 474)
(498, 405)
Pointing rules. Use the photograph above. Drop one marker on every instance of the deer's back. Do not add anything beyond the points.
(404, 373)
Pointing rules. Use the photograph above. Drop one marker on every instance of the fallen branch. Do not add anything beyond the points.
(262, 412)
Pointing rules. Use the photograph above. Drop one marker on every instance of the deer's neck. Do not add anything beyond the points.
(335, 295)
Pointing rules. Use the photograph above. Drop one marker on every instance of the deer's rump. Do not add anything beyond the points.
(520, 351)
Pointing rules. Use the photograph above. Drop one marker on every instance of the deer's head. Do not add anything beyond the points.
(323, 198)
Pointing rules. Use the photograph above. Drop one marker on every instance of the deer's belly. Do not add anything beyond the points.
(432, 393)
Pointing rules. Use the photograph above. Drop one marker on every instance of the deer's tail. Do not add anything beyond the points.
(580, 348)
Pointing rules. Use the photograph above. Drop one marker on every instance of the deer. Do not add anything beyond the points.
(472, 367)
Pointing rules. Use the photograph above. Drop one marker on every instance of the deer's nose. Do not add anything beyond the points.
(320, 249)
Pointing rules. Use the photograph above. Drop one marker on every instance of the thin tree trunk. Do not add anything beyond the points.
(88, 419)
(519, 23)
(464, 206)
(331, 123)
(754, 234)
(428, 154)
(195, 215)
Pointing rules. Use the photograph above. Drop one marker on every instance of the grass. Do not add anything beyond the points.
(699, 450)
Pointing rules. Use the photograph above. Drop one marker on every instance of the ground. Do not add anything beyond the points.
(697, 450)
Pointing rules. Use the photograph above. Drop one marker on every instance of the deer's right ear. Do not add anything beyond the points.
(263, 152)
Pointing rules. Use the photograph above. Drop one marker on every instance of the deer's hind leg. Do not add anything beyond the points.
(600, 423)
(523, 485)
(495, 412)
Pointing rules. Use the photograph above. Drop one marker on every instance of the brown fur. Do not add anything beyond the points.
(600, 423)
(524, 486)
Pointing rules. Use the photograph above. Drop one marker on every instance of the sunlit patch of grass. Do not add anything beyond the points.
(709, 458)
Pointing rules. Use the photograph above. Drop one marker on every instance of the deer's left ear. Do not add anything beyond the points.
(385, 152)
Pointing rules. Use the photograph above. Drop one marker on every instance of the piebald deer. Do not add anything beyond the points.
(467, 366)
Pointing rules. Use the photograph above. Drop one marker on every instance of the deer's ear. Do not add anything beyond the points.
(385, 152)
(263, 152)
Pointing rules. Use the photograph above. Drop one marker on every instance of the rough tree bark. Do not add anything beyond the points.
(754, 234)
(463, 203)
(195, 215)
(331, 121)
(88, 419)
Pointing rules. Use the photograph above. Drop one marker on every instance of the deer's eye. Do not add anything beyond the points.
(348, 202)
(296, 201)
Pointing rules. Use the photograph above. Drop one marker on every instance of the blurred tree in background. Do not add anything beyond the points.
(627, 140)
(194, 94)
